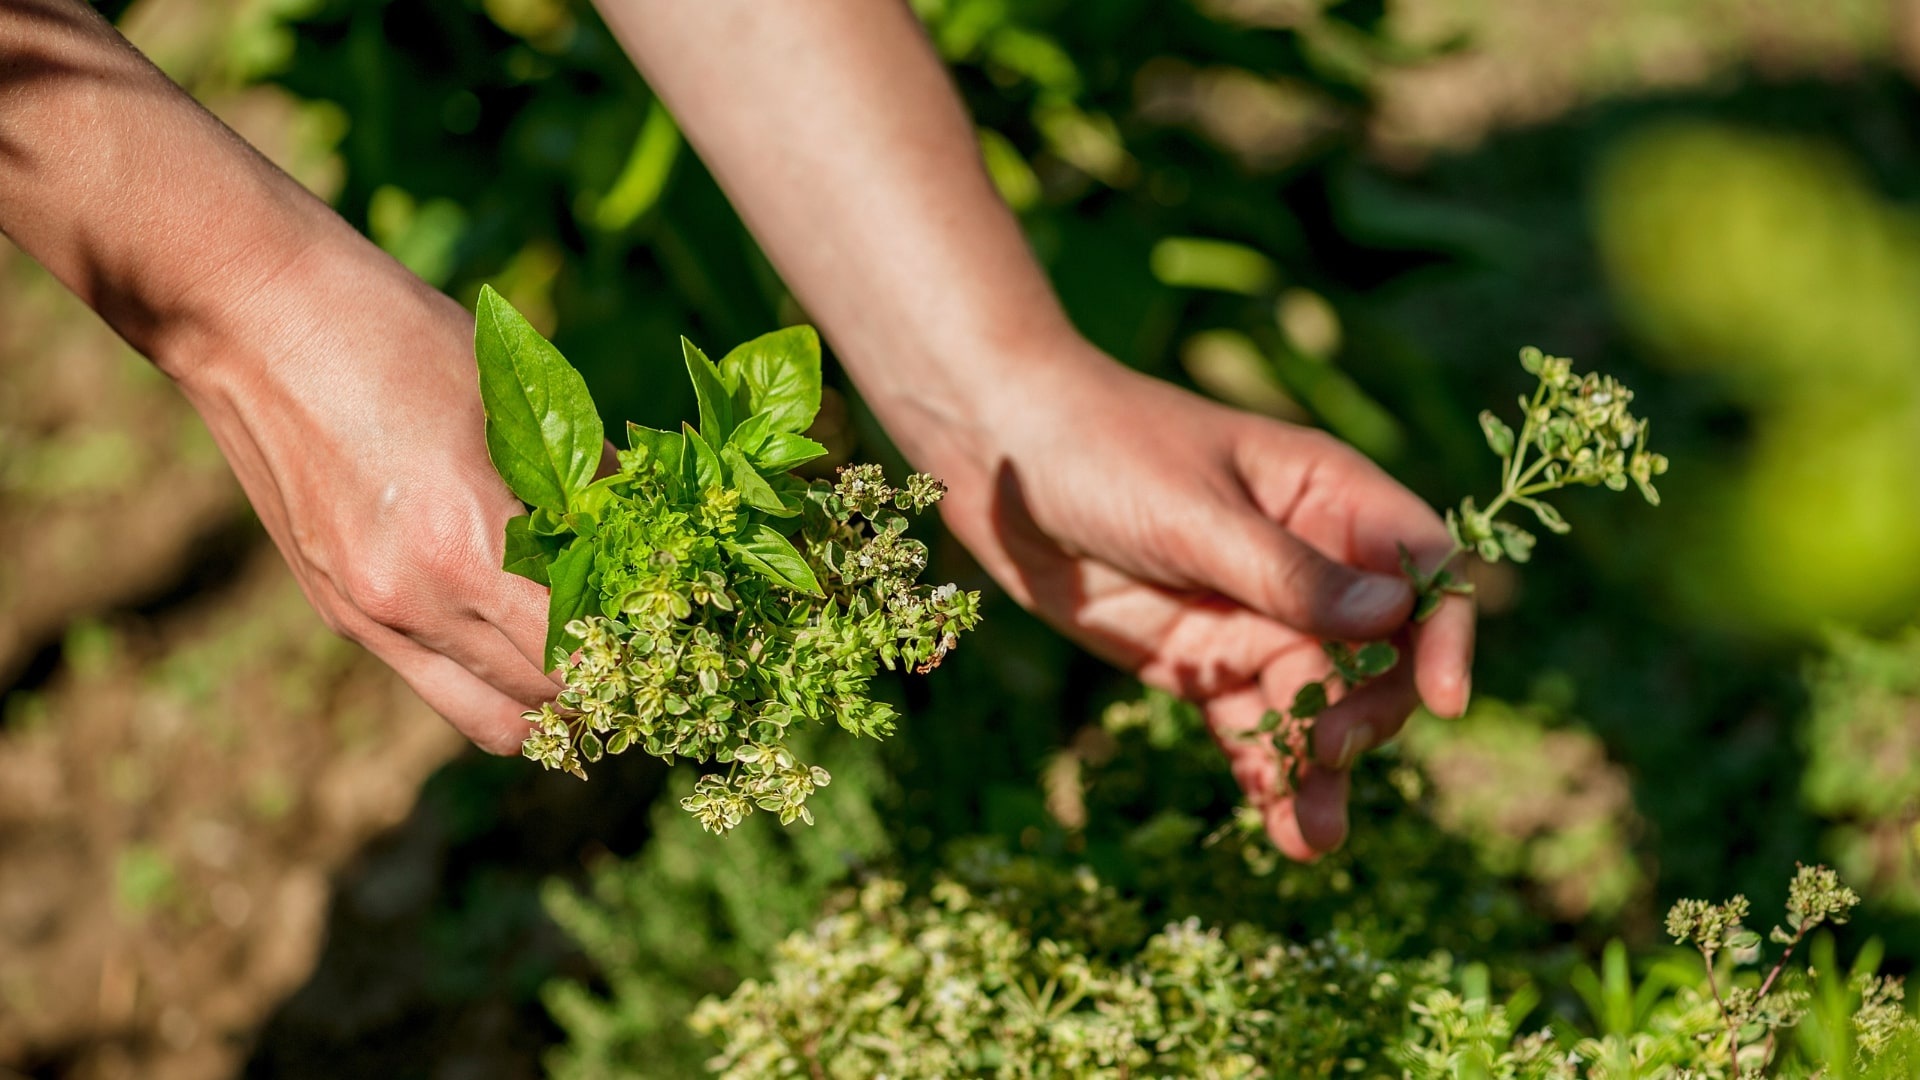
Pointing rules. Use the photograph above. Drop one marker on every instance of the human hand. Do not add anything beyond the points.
(1211, 551)
(345, 396)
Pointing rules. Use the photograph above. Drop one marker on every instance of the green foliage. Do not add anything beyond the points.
(1014, 968)
(687, 918)
(684, 617)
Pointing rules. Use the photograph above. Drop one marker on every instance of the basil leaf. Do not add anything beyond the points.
(779, 374)
(768, 554)
(783, 451)
(574, 597)
(710, 389)
(590, 504)
(528, 552)
(543, 433)
(754, 490)
(704, 463)
(546, 522)
(751, 433)
(651, 444)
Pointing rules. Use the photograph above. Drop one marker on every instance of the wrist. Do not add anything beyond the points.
(955, 403)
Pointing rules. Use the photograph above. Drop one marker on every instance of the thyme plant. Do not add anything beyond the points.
(1575, 429)
(705, 601)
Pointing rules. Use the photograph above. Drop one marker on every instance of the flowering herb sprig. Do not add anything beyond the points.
(1575, 429)
(705, 601)
(1815, 897)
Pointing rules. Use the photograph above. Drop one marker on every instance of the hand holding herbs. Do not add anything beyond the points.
(1575, 429)
(704, 600)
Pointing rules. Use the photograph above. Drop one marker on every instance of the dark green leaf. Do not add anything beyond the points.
(754, 490)
(1269, 721)
(528, 552)
(1340, 655)
(573, 598)
(1426, 603)
(779, 374)
(1375, 659)
(543, 433)
(768, 554)
(710, 389)
(1310, 701)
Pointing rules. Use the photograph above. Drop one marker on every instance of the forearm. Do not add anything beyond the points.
(838, 136)
(157, 215)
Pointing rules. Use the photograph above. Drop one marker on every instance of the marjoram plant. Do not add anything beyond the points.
(705, 601)
(1575, 430)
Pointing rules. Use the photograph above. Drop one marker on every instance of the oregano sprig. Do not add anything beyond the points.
(1574, 429)
(705, 601)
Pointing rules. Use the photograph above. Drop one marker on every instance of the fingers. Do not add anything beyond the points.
(1305, 823)
(1334, 498)
(517, 609)
(1260, 564)
(1364, 719)
(1443, 657)
(483, 714)
(1312, 821)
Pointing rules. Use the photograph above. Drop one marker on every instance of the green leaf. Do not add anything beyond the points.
(543, 433)
(778, 374)
(711, 390)
(773, 451)
(1499, 435)
(1426, 603)
(1375, 659)
(590, 504)
(754, 490)
(768, 554)
(1515, 541)
(546, 522)
(528, 552)
(1270, 721)
(750, 433)
(573, 598)
(652, 445)
(784, 451)
(1548, 516)
(707, 471)
(1340, 655)
(1310, 701)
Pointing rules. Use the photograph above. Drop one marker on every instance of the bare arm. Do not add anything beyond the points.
(1203, 547)
(341, 388)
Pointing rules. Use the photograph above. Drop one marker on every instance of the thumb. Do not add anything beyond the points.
(1252, 560)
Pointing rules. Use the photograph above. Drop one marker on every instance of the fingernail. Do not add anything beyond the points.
(1371, 599)
(1357, 739)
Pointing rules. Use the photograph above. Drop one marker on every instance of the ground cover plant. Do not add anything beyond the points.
(683, 615)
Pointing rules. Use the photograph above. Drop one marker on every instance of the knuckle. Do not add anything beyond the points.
(385, 593)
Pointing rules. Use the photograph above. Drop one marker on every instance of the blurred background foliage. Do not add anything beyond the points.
(1348, 214)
